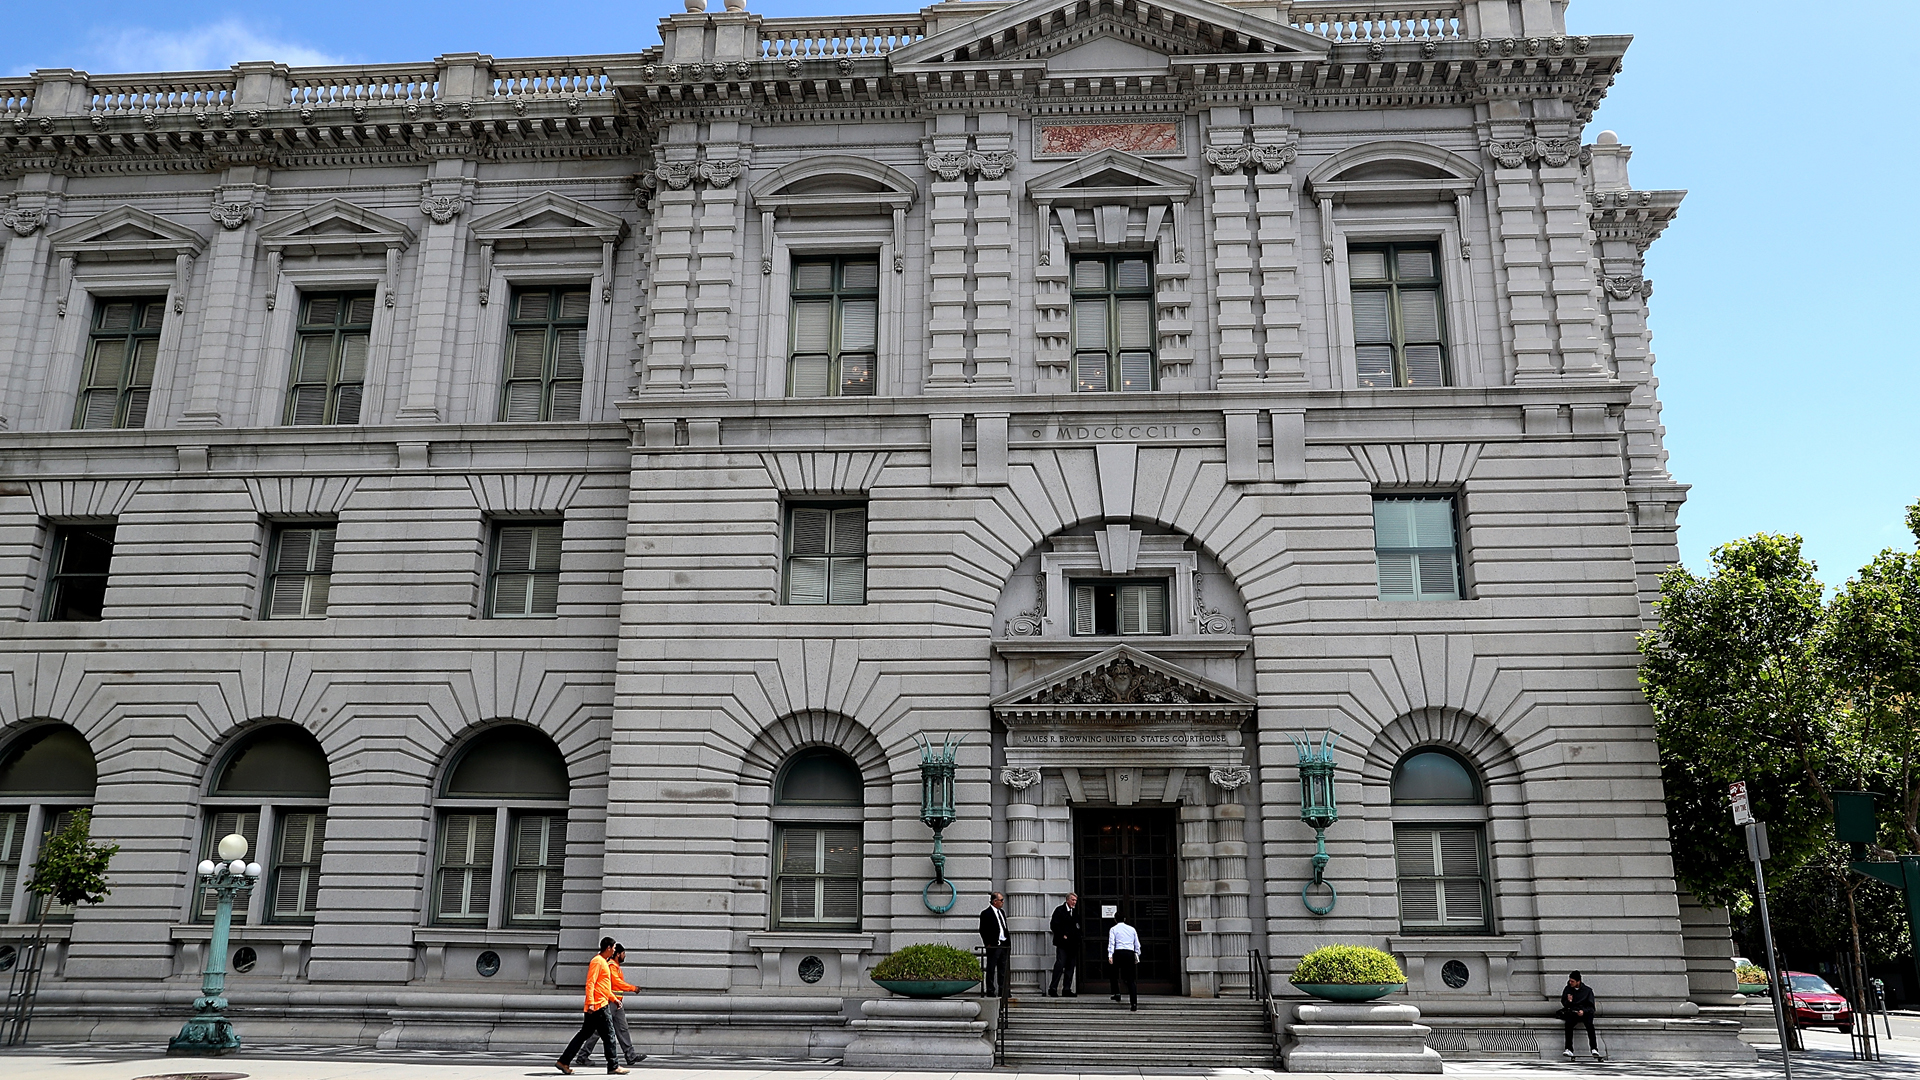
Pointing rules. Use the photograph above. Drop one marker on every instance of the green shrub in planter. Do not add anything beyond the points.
(928, 963)
(1750, 974)
(1347, 965)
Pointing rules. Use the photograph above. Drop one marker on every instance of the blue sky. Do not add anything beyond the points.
(1790, 388)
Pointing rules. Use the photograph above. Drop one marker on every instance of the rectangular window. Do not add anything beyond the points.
(836, 326)
(122, 348)
(1417, 547)
(1113, 336)
(524, 582)
(465, 877)
(299, 571)
(77, 585)
(826, 555)
(1397, 324)
(296, 866)
(546, 354)
(330, 359)
(1443, 878)
(220, 823)
(13, 839)
(818, 876)
(539, 868)
(1105, 608)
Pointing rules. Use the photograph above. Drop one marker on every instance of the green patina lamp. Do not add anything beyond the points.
(1319, 810)
(937, 810)
(208, 1031)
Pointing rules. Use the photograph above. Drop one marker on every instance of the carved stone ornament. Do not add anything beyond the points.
(948, 165)
(793, 68)
(720, 173)
(1270, 157)
(1229, 777)
(676, 175)
(24, 221)
(1209, 620)
(1276, 156)
(1019, 779)
(1511, 153)
(440, 209)
(1123, 682)
(1628, 286)
(232, 215)
(1025, 624)
(1556, 152)
(1515, 153)
(952, 165)
(1227, 159)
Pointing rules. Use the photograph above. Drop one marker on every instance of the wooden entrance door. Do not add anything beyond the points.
(1125, 859)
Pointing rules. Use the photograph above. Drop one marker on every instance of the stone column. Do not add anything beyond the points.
(437, 295)
(1517, 229)
(670, 306)
(715, 259)
(1196, 898)
(1233, 249)
(24, 268)
(1028, 905)
(228, 319)
(947, 256)
(993, 244)
(1276, 200)
(1570, 246)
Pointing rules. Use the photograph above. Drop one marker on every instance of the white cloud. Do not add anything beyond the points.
(201, 48)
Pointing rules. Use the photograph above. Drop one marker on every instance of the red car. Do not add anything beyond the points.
(1816, 1004)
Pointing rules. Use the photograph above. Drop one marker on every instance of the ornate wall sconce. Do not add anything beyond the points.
(937, 810)
(1319, 810)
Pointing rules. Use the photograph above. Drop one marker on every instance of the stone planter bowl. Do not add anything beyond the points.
(1754, 989)
(928, 988)
(1349, 991)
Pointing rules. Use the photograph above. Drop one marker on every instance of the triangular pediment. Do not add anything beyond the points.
(1054, 30)
(552, 220)
(127, 232)
(1123, 678)
(1110, 175)
(335, 226)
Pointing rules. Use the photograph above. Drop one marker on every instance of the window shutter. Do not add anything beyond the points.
(850, 531)
(543, 595)
(1414, 852)
(860, 275)
(1367, 265)
(314, 360)
(1419, 902)
(849, 584)
(346, 407)
(516, 547)
(1136, 324)
(1374, 366)
(1090, 371)
(296, 551)
(289, 599)
(566, 402)
(531, 305)
(1083, 609)
(512, 595)
(1370, 323)
(810, 529)
(1136, 371)
(221, 823)
(1430, 522)
(807, 580)
(100, 410)
(323, 310)
(523, 402)
(569, 353)
(1420, 314)
(1459, 851)
(859, 325)
(1132, 274)
(353, 358)
(116, 317)
(1130, 609)
(359, 311)
(1397, 576)
(1153, 608)
(856, 375)
(288, 883)
(1424, 366)
(813, 277)
(137, 408)
(1439, 578)
(528, 356)
(146, 353)
(1393, 524)
(109, 360)
(812, 326)
(799, 850)
(574, 305)
(529, 850)
(13, 833)
(309, 405)
(546, 547)
(1413, 263)
(810, 375)
(1090, 274)
(1090, 324)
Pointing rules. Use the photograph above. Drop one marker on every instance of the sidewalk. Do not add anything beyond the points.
(1826, 1059)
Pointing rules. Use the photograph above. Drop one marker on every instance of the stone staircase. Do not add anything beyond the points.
(1167, 1031)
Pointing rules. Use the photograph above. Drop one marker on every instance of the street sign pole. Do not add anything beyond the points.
(1758, 853)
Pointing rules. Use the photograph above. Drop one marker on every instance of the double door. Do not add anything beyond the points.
(1124, 861)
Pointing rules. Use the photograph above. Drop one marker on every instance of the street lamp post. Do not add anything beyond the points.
(208, 1031)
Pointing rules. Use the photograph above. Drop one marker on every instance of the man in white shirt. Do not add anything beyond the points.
(1123, 954)
(998, 944)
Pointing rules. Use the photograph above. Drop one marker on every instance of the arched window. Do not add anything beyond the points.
(272, 782)
(818, 800)
(502, 828)
(46, 774)
(1440, 845)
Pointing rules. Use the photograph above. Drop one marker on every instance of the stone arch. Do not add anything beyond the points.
(1432, 161)
(1485, 750)
(457, 748)
(226, 754)
(783, 738)
(40, 757)
(863, 175)
(1206, 600)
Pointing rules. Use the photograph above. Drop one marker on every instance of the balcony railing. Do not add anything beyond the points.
(386, 84)
(862, 35)
(135, 95)
(1343, 20)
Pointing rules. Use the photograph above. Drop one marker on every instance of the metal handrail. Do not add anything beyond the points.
(1000, 1031)
(29, 957)
(1260, 988)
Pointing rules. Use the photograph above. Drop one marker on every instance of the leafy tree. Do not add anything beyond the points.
(1810, 918)
(72, 869)
(1739, 693)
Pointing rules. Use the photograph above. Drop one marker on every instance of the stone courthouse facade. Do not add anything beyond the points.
(534, 499)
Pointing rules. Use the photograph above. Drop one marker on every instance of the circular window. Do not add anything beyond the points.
(8, 954)
(811, 969)
(1454, 974)
(487, 964)
(245, 959)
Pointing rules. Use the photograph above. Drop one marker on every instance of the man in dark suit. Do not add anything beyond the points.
(999, 944)
(1068, 934)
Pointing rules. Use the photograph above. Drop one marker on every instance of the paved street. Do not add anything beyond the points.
(1826, 1058)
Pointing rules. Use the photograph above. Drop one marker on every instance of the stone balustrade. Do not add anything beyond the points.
(810, 39)
(383, 84)
(1342, 20)
(138, 95)
(16, 97)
